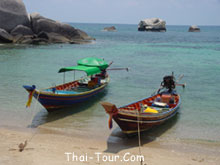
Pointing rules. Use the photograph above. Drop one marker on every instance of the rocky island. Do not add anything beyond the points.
(194, 28)
(16, 26)
(152, 24)
(110, 29)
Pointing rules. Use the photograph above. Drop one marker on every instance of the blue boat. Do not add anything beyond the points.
(68, 94)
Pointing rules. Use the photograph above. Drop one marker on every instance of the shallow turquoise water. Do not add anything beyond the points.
(149, 57)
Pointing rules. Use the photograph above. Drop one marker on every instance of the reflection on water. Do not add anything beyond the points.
(43, 117)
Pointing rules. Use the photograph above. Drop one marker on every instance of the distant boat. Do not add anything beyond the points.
(148, 112)
(68, 94)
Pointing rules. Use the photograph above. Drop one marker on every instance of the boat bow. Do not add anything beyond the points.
(31, 90)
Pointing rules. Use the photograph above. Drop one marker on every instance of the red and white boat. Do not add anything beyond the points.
(148, 112)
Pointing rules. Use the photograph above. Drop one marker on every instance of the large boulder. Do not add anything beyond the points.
(13, 13)
(111, 29)
(84, 35)
(20, 39)
(152, 24)
(5, 37)
(41, 24)
(53, 37)
(18, 27)
(28, 39)
(194, 28)
(21, 29)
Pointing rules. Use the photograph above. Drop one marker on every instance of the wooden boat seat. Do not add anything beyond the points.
(67, 86)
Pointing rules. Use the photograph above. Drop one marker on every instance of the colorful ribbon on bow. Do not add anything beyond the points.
(28, 104)
(30, 99)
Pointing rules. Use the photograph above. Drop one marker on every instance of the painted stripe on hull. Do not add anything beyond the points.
(56, 102)
(128, 123)
(131, 126)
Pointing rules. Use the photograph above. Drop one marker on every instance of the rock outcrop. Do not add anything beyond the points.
(110, 29)
(17, 27)
(13, 13)
(53, 37)
(5, 37)
(60, 30)
(21, 29)
(152, 24)
(194, 28)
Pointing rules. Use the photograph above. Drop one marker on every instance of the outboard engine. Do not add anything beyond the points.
(169, 83)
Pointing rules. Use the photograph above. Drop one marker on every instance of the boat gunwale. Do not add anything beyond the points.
(174, 110)
(41, 91)
(149, 115)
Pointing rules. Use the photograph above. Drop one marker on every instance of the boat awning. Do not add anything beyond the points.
(89, 70)
(93, 62)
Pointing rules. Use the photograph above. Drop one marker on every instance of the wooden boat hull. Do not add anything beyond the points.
(128, 120)
(54, 101)
(128, 124)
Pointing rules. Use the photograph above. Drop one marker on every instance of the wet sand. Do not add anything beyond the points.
(45, 146)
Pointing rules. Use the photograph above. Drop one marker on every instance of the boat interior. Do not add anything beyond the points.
(156, 104)
(78, 86)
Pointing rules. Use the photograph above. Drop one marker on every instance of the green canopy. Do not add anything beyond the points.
(93, 62)
(89, 70)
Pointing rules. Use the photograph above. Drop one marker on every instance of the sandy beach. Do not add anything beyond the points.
(51, 147)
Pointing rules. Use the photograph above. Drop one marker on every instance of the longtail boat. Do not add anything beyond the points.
(70, 93)
(148, 112)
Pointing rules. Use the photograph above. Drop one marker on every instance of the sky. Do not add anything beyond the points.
(174, 12)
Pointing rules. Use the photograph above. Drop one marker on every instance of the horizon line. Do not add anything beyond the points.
(137, 24)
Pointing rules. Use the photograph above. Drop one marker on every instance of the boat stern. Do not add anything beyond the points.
(111, 109)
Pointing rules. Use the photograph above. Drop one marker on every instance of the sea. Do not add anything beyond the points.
(149, 56)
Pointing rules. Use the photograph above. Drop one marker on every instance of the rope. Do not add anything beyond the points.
(32, 116)
(139, 134)
(21, 146)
